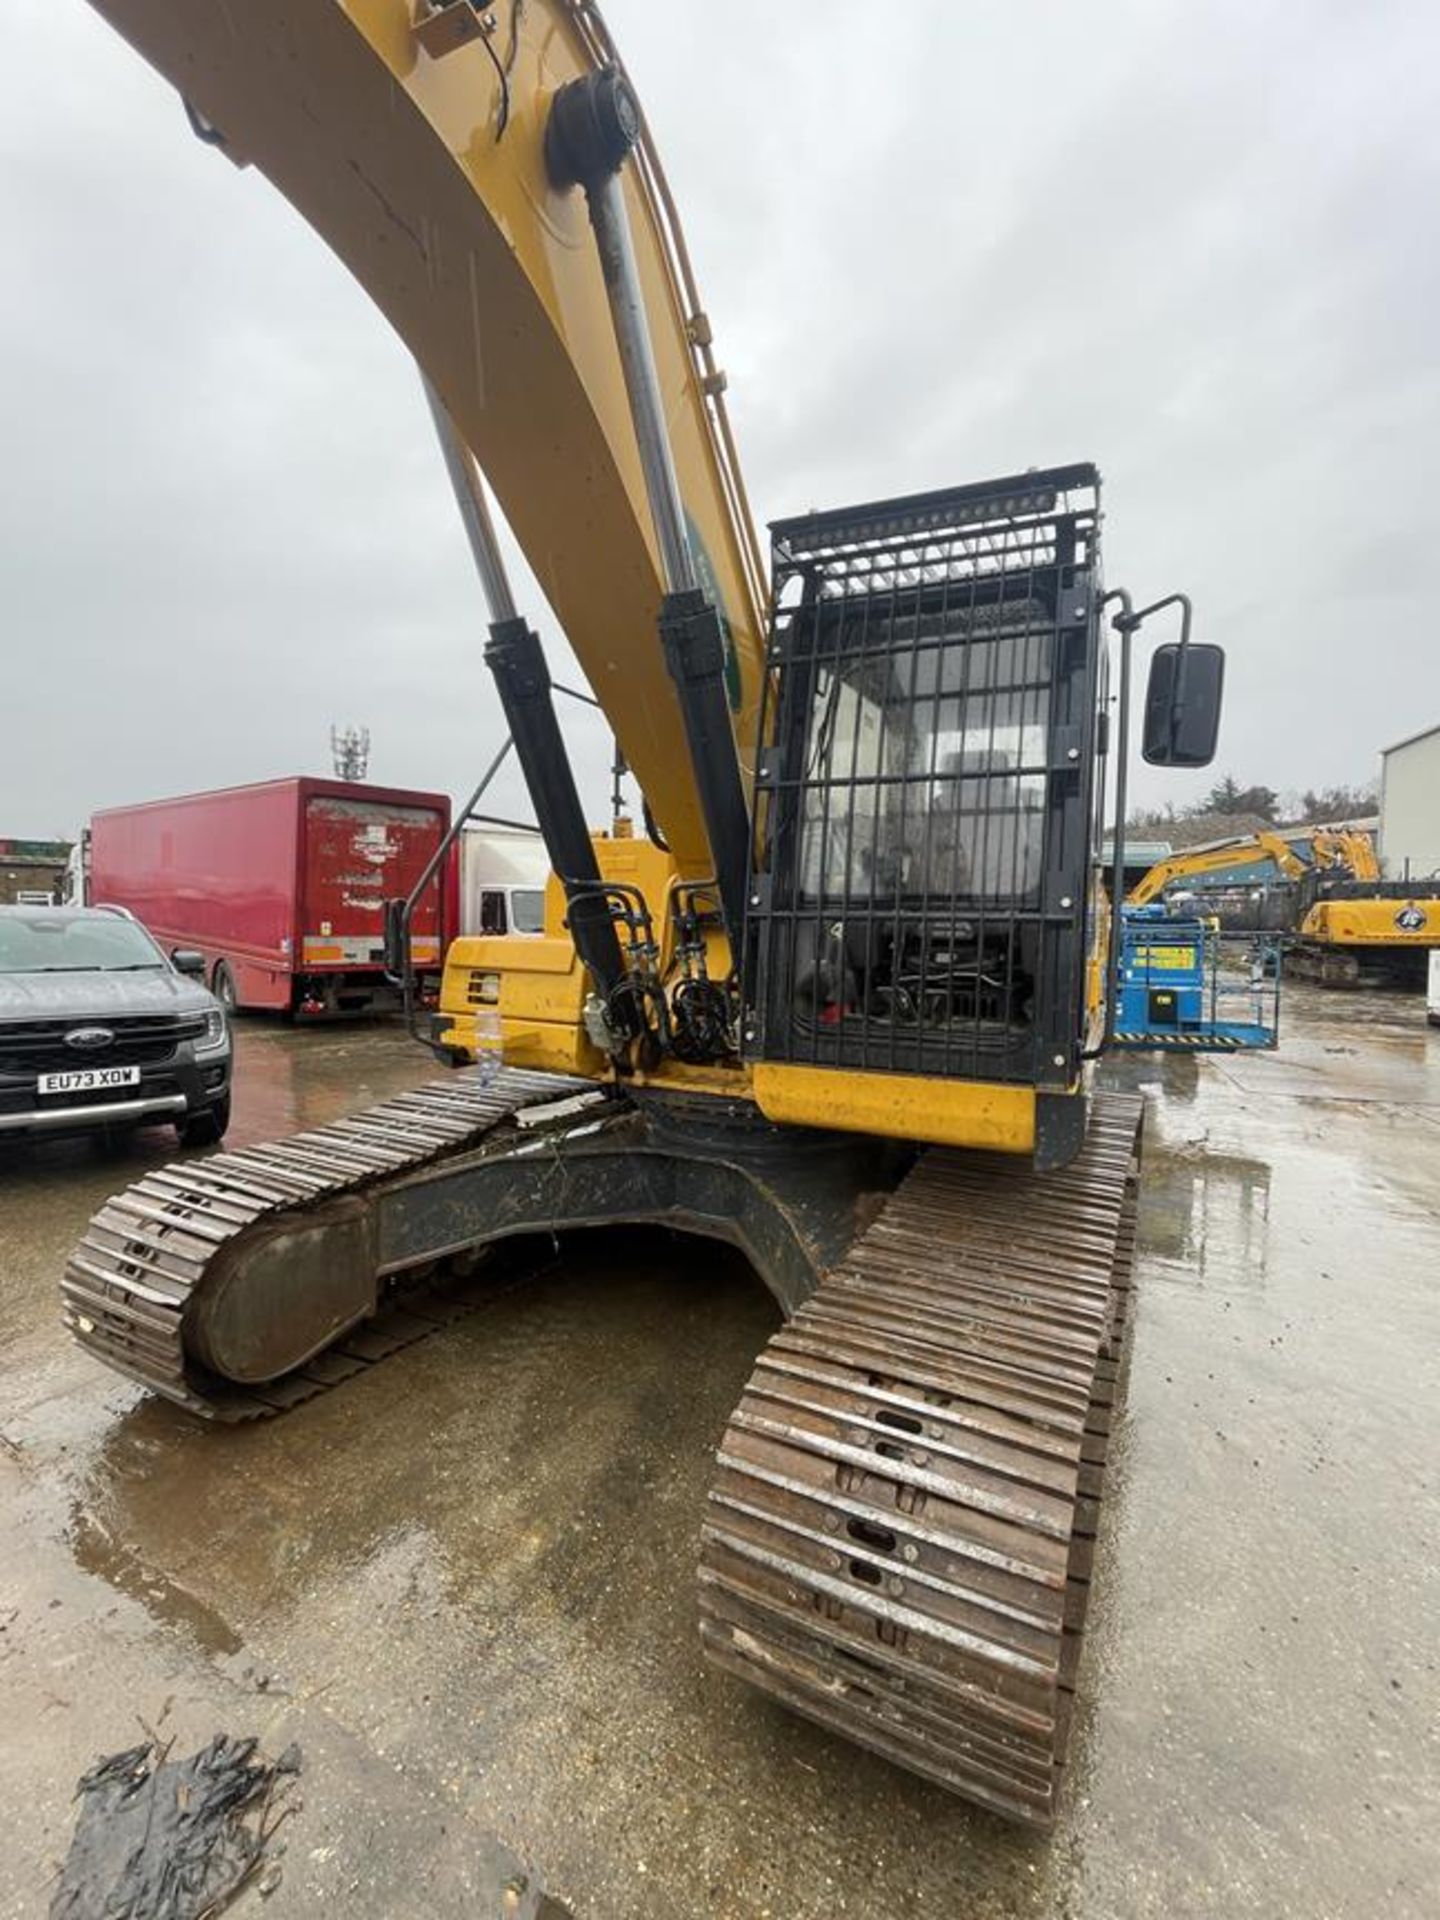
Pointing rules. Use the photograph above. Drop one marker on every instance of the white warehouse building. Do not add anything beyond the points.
(1410, 807)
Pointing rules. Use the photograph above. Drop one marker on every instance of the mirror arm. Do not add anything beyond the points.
(1127, 623)
(1177, 691)
(1124, 623)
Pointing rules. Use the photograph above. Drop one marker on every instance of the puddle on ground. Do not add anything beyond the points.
(1193, 1200)
(115, 1561)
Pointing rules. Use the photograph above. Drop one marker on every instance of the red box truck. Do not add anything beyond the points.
(282, 886)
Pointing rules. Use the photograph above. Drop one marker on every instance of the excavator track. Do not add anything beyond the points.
(147, 1252)
(899, 1536)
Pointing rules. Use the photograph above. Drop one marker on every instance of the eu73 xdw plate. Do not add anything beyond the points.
(88, 1079)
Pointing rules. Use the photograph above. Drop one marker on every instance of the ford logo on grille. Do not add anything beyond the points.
(89, 1039)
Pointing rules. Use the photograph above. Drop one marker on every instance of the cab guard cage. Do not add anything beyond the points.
(925, 785)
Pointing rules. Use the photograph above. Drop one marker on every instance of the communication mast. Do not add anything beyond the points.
(350, 747)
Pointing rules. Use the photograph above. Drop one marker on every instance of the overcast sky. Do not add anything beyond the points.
(1195, 243)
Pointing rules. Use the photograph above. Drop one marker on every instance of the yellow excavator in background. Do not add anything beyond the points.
(1351, 927)
(1293, 853)
(839, 1006)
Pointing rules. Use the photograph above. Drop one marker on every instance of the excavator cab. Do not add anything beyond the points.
(925, 800)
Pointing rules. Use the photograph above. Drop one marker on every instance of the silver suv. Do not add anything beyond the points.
(100, 1029)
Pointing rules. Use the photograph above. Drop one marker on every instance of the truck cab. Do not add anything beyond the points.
(507, 908)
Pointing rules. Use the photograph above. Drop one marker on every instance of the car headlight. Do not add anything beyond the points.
(215, 1034)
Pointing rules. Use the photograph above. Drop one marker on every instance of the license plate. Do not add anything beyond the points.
(88, 1079)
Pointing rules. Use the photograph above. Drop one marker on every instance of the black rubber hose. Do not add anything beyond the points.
(652, 831)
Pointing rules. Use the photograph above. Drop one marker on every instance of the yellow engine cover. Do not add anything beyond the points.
(524, 994)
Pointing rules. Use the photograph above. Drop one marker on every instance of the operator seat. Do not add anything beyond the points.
(986, 829)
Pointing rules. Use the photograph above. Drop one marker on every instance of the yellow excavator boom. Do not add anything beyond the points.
(1198, 861)
(1349, 848)
(1293, 854)
(420, 159)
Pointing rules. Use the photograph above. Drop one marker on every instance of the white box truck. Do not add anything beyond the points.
(503, 870)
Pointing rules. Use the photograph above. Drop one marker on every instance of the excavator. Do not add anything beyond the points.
(838, 1005)
(1292, 852)
(1352, 927)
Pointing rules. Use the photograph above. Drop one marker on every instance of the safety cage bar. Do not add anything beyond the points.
(924, 784)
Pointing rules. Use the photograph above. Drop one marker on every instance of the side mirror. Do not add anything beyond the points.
(186, 960)
(1182, 705)
(396, 958)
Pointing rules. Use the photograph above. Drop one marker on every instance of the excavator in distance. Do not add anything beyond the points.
(1351, 927)
(839, 1007)
(1293, 852)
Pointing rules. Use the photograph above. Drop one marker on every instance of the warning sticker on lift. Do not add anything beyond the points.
(1168, 959)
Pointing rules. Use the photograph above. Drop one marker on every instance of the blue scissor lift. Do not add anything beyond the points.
(1174, 994)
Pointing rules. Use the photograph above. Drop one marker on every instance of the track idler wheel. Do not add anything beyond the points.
(284, 1295)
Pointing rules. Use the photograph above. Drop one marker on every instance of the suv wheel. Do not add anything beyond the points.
(206, 1128)
(222, 985)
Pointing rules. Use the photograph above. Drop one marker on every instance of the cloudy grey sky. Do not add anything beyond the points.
(1193, 242)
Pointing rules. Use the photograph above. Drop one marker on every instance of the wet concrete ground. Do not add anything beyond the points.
(465, 1581)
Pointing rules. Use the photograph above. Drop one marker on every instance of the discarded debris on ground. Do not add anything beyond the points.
(163, 1839)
